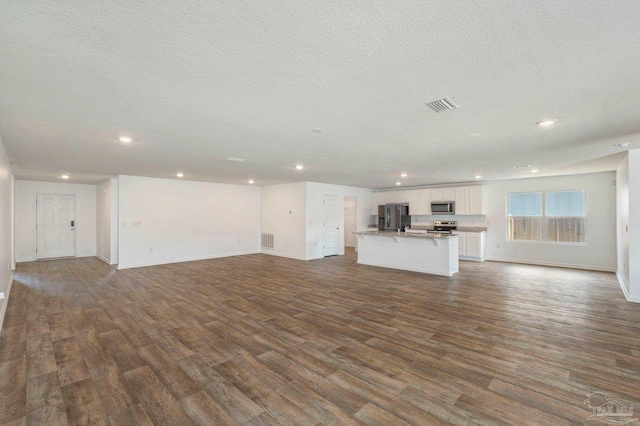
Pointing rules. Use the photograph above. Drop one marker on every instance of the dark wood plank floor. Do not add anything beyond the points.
(261, 340)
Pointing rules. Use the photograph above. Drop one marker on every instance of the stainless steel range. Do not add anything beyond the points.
(443, 227)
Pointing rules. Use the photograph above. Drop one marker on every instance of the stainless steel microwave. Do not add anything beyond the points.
(443, 207)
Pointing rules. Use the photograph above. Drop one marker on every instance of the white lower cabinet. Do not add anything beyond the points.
(471, 245)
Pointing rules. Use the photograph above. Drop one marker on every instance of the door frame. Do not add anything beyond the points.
(35, 223)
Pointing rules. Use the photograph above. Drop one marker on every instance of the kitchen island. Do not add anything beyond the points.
(427, 253)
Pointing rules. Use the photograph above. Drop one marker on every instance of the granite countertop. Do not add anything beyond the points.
(403, 235)
(460, 228)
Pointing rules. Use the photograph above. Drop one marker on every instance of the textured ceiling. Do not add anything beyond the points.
(195, 82)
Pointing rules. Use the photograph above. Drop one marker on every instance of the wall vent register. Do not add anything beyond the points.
(267, 241)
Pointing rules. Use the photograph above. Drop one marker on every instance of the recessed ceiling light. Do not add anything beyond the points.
(621, 144)
(299, 167)
(179, 174)
(478, 177)
(239, 160)
(125, 139)
(534, 170)
(403, 175)
(64, 177)
(521, 167)
(546, 123)
(251, 182)
(398, 183)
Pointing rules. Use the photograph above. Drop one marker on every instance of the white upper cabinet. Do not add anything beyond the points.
(469, 199)
(402, 196)
(419, 202)
(462, 200)
(476, 200)
(425, 201)
(415, 203)
(443, 194)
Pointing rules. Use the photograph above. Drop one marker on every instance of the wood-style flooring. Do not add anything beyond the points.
(263, 340)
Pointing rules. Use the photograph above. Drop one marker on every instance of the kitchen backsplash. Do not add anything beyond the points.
(417, 220)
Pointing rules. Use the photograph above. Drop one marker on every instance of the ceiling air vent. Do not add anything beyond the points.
(442, 104)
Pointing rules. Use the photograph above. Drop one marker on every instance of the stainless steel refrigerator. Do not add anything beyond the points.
(392, 217)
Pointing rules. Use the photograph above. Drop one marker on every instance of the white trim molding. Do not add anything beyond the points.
(553, 264)
(624, 290)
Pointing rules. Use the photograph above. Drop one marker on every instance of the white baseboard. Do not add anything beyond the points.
(275, 253)
(190, 259)
(104, 259)
(554, 264)
(624, 290)
(5, 302)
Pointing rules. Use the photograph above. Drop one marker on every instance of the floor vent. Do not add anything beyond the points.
(267, 241)
(442, 104)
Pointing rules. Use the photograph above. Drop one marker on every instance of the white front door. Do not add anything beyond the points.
(55, 220)
(350, 226)
(330, 225)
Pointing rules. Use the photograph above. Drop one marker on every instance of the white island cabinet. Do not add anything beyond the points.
(419, 253)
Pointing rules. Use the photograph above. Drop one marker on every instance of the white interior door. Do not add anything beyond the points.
(350, 226)
(55, 230)
(330, 225)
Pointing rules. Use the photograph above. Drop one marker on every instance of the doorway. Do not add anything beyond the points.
(350, 225)
(330, 225)
(55, 226)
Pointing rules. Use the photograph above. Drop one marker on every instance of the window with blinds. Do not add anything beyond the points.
(551, 216)
(525, 216)
(565, 216)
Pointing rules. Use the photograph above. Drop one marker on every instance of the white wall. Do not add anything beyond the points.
(622, 223)
(315, 193)
(25, 216)
(5, 230)
(283, 214)
(600, 250)
(170, 220)
(107, 221)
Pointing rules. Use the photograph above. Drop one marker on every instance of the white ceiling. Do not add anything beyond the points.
(195, 82)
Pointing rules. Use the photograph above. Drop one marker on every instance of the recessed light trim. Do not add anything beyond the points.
(534, 170)
(398, 183)
(126, 139)
(251, 181)
(403, 175)
(65, 176)
(236, 159)
(299, 167)
(546, 123)
(478, 176)
(622, 144)
(180, 174)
